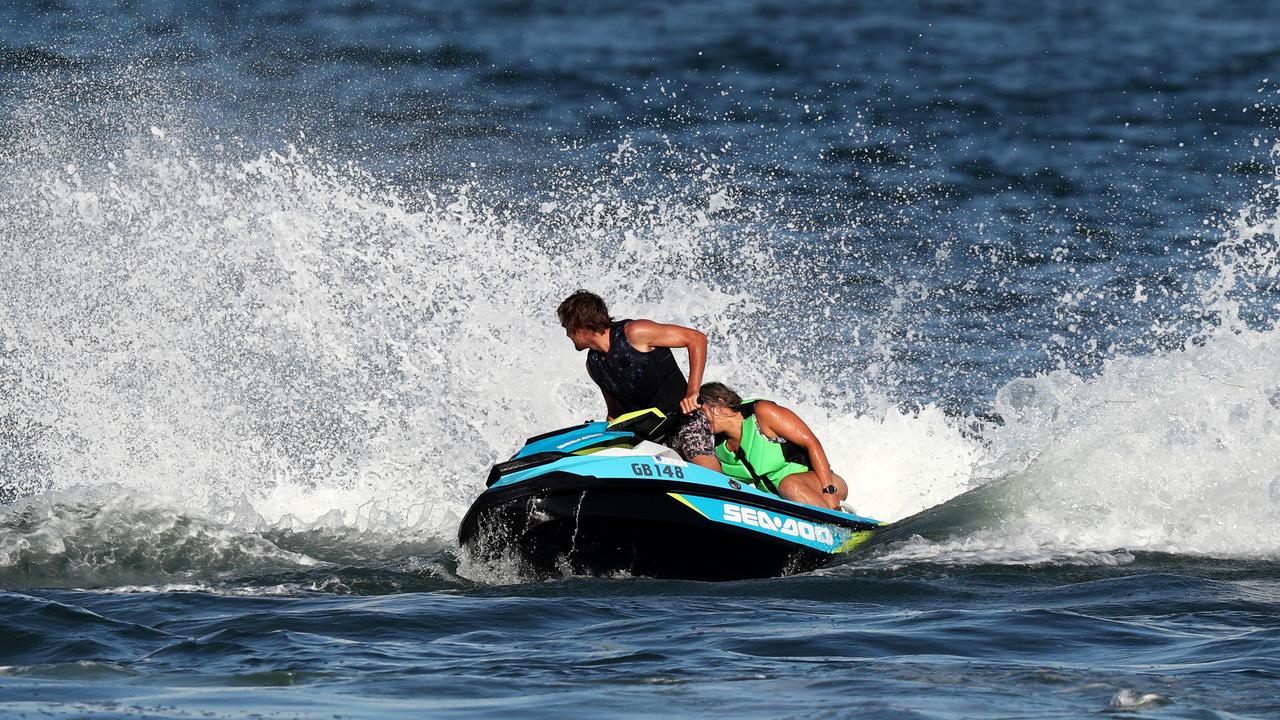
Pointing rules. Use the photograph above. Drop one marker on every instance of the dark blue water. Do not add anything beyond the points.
(1176, 640)
(276, 288)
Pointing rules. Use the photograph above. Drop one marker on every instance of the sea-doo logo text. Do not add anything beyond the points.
(777, 523)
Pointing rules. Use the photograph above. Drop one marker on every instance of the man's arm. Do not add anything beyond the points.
(646, 335)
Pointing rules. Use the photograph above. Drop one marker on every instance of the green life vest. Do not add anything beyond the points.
(772, 460)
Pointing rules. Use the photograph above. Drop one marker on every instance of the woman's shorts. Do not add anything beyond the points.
(693, 437)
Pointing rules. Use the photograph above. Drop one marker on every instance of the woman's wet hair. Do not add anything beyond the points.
(718, 395)
(584, 309)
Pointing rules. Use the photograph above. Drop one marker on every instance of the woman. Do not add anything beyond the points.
(769, 446)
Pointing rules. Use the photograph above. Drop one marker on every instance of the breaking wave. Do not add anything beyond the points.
(1173, 451)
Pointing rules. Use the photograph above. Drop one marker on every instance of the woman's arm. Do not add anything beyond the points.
(781, 422)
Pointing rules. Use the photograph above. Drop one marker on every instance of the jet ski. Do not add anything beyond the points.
(606, 498)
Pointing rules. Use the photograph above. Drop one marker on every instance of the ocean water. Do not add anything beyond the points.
(277, 286)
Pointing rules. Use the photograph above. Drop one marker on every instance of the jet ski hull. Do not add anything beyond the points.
(625, 512)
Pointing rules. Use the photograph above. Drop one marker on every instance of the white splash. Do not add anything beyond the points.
(1175, 451)
(269, 342)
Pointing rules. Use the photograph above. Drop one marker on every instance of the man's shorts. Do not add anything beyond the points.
(693, 437)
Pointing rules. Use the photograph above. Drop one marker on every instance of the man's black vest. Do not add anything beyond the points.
(638, 380)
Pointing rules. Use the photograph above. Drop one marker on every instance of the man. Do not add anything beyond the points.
(631, 362)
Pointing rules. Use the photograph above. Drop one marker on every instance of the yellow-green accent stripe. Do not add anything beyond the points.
(686, 502)
(854, 541)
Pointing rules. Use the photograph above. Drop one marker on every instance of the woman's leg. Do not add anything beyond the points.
(805, 488)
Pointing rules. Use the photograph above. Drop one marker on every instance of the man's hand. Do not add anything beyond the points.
(689, 403)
